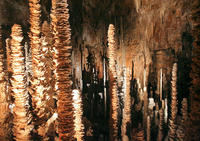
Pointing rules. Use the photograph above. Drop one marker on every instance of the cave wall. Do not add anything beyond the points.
(148, 33)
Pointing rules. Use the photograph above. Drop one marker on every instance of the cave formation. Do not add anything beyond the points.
(100, 70)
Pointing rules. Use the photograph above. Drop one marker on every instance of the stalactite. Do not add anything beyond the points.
(127, 107)
(113, 84)
(3, 97)
(161, 81)
(123, 48)
(38, 67)
(22, 116)
(158, 85)
(63, 72)
(172, 124)
(137, 5)
(77, 103)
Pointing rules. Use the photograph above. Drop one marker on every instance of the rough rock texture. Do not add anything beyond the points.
(63, 71)
(127, 107)
(112, 84)
(39, 85)
(78, 113)
(172, 123)
(22, 117)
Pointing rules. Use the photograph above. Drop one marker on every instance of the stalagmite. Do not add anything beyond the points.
(53, 32)
(47, 81)
(47, 57)
(127, 107)
(156, 116)
(63, 70)
(148, 128)
(166, 111)
(145, 98)
(3, 98)
(161, 121)
(184, 110)
(27, 65)
(38, 67)
(104, 85)
(22, 116)
(113, 84)
(172, 124)
(79, 127)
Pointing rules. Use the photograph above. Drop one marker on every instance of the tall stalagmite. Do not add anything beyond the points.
(113, 84)
(79, 127)
(172, 125)
(63, 70)
(22, 116)
(160, 126)
(38, 79)
(148, 128)
(127, 107)
(46, 79)
(184, 109)
(3, 97)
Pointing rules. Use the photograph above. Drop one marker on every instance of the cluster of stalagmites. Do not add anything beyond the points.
(34, 75)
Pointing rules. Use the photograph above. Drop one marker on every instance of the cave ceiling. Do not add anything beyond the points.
(145, 29)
